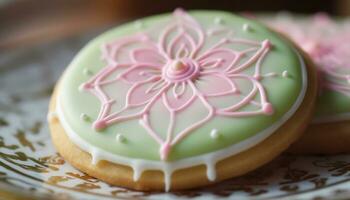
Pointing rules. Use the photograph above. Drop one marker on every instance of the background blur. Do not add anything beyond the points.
(27, 22)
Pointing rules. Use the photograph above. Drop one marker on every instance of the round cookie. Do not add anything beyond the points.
(181, 100)
(327, 43)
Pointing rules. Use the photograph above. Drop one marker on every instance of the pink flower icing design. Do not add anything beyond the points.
(327, 42)
(176, 70)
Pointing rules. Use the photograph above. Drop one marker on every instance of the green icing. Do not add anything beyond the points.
(282, 93)
(331, 103)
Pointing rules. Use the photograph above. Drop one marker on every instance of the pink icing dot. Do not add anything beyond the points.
(85, 86)
(236, 91)
(164, 151)
(267, 108)
(266, 44)
(257, 77)
(99, 125)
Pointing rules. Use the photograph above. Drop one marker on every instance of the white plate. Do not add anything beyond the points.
(30, 164)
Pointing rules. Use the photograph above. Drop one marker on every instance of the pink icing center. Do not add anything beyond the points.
(169, 71)
(180, 70)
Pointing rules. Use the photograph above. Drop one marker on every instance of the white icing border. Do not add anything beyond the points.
(210, 159)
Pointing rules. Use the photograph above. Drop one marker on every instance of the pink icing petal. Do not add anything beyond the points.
(141, 72)
(184, 38)
(141, 93)
(215, 84)
(99, 125)
(148, 56)
(218, 60)
(181, 100)
(181, 45)
(121, 51)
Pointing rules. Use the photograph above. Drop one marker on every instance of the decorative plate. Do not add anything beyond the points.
(29, 163)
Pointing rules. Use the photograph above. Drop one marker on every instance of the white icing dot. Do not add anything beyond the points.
(120, 138)
(141, 122)
(246, 27)
(218, 20)
(285, 74)
(84, 117)
(87, 72)
(214, 134)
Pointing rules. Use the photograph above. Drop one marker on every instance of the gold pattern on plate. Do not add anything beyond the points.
(14, 157)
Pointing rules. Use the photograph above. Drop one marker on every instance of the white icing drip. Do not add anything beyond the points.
(95, 156)
(285, 74)
(211, 171)
(214, 134)
(138, 170)
(218, 20)
(140, 165)
(167, 171)
(246, 27)
(120, 138)
(51, 116)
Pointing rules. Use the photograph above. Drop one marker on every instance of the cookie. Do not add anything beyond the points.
(181, 100)
(327, 43)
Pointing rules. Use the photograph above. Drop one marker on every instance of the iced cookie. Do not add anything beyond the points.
(327, 42)
(181, 100)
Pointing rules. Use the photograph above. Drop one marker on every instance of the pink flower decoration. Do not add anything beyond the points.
(175, 71)
(327, 42)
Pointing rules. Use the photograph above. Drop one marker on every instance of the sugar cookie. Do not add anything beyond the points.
(183, 101)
